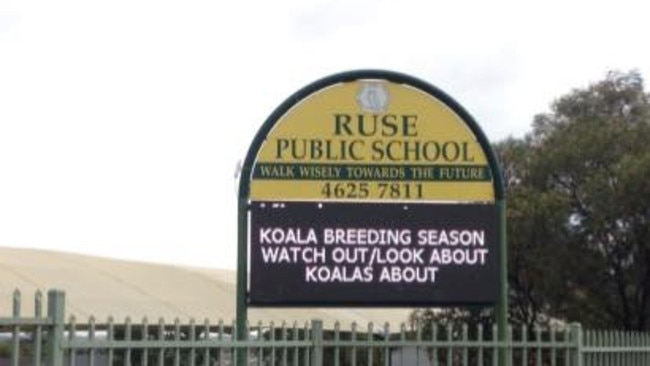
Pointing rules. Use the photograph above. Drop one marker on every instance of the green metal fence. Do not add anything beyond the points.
(47, 338)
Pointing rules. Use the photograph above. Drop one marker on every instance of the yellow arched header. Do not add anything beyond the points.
(371, 140)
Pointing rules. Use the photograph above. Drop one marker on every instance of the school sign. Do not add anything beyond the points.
(370, 188)
(371, 140)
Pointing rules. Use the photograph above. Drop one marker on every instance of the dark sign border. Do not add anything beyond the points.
(395, 77)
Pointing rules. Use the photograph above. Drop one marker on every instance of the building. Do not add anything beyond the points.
(103, 287)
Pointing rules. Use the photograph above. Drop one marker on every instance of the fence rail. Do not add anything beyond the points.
(51, 340)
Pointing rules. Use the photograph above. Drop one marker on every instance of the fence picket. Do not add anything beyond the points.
(284, 339)
(296, 337)
(161, 337)
(110, 336)
(497, 348)
(15, 337)
(567, 350)
(510, 349)
(38, 332)
(233, 336)
(260, 350)
(127, 338)
(479, 340)
(434, 338)
(418, 340)
(524, 349)
(353, 337)
(272, 342)
(187, 343)
(206, 339)
(465, 348)
(337, 341)
(91, 337)
(402, 338)
(553, 340)
(369, 348)
(307, 337)
(177, 337)
(386, 344)
(450, 331)
(72, 330)
(220, 354)
(192, 339)
(145, 337)
(538, 340)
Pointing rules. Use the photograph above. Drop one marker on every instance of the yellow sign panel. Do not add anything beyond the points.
(371, 140)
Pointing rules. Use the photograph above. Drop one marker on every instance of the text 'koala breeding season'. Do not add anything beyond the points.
(370, 254)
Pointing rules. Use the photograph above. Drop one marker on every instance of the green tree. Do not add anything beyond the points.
(536, 237)
(578, 216)
(579, 208)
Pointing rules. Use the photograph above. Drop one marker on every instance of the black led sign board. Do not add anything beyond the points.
(372, 254)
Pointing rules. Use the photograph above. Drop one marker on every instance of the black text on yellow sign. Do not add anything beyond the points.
(417, 148)
(373, 138)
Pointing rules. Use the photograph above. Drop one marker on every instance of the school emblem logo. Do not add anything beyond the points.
(373, 97)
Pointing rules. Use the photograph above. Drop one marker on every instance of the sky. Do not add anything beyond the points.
(122, 123)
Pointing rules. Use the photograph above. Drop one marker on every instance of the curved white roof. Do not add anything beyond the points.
(106, 287)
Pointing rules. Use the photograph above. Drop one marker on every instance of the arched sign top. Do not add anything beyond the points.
(371, 135)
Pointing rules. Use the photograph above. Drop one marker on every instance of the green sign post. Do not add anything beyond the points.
(371, 180)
